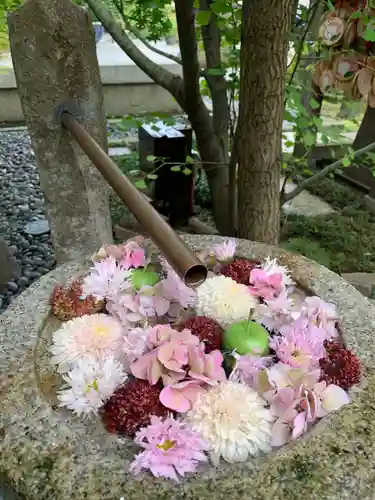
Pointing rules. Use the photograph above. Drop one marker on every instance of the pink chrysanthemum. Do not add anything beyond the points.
(106, 280)
(300, 345)
(322, 314)
(224, 252)
(171, 448)
(247, 368)
(276, 313)
(97, 336)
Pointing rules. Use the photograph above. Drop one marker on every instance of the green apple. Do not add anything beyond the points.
(246, 337)
(144, 277)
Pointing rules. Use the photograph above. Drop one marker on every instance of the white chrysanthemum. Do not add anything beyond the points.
(90, 384)
(107, 279)
(222, 299)
(233, 419)
(95, 335)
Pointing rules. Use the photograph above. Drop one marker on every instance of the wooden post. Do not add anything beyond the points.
(54, 58)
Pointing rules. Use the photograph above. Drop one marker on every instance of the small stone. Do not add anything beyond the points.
(363, 282)
(23, 281)
(37, 227)
(12, 286)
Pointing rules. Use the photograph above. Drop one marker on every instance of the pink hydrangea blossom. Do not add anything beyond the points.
(276, 313)
(171, 448)
(126, 309)
(180, 359)
(266, 286)
(159, 334)
(134, 255)
(300, 344)
(321, 314)
(247, 368)
(107, 279)
(118, 252)
(224, 252)
(297, 408)
(134, 344)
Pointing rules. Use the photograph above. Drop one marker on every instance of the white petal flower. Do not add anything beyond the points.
(95, 335)
(222, 299)
(106, 280)
(233, 419)
(90, 384)
(224, 252)
(271, 266)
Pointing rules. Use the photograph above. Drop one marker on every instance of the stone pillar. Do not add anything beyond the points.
(54, 58)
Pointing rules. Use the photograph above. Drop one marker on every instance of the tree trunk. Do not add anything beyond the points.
(263, 61)
(211, 150)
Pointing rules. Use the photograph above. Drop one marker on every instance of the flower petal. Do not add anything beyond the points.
(333, 398)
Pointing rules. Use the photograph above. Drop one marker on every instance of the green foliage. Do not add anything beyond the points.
(5, 7)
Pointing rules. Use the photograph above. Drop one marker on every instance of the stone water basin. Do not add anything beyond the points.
(48, 454)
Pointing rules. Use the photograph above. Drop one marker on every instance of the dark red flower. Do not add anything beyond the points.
(66, 302)
(207, 330)
(132, 406)
(340, 367)
(239, 270)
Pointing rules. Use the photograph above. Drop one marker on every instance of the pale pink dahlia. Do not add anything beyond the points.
(97, 336)
(106, 280)
(171, 449)
(276, 313)
(321, 314)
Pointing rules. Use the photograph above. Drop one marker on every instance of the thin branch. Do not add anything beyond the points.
(166, 79)
(120, 7)
(323, 173)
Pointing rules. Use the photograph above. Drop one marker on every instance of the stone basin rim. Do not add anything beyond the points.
(37, 443)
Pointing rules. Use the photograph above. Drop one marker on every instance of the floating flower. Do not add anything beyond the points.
(175, 289)
(225, 301)
(300, 344)
(97, 336)
(158, 335)
(135, 342)
(132, 406)
(268, 287)
(247, 368)
(331, 397)
(67, 302)
(239, 270)
(275, 314)
(207, 330)
(340, 366)
(224, 252)
(232, 418)
(91, 383)
(134, 255)
(321, 314)
(171, 448)
(271, 267)
(106, 280)
(125, 308)
(179, 357)
(118, 252)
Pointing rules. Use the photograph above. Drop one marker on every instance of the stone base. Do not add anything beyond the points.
(47, 454)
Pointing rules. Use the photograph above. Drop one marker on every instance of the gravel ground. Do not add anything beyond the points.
(21, 201)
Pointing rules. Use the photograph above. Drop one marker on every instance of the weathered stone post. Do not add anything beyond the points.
(54, 58)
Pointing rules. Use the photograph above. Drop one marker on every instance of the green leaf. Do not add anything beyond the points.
(140, 184)
(369, 33)
(187, 171)
(330, 5)
(309, 139)
(289, 144)
(314, 104)
(189, 159)
(215, 71)
(151, 158)
(133, 172)
(203, 17)
(356, 15)
(176, 168)
(152, 176)
(346, 161)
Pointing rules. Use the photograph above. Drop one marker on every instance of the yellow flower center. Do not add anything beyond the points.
(94, 386)
(167, 445)
(101, 330)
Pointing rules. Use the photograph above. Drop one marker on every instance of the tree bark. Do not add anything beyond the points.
(209, 145)
(263, 61)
